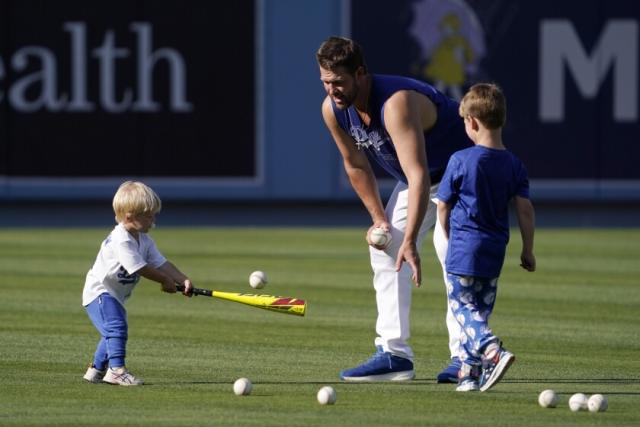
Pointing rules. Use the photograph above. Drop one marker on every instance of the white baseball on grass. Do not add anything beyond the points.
(326, 395)
(258, 279)
(598, 403)
(242, 387)
(578, 402)
(380, 237)
(548, 399)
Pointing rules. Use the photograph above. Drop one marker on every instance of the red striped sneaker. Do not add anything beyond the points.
(120, 376)
(495, 368)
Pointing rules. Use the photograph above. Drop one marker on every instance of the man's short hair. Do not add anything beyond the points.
(340, 52)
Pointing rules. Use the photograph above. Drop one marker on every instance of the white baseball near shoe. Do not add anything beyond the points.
(121, 376)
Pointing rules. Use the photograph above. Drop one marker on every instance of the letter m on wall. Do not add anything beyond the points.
(616, 49)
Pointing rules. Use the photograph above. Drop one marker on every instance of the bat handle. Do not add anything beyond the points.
(194, 291)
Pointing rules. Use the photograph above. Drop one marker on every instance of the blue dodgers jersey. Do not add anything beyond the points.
(443, 139)
(479, 182)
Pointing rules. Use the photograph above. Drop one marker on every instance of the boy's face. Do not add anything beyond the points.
(141, 223)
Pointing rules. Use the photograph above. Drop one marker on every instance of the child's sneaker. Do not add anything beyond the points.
(495, 367)
(381, 367)
(94, 375)
(450, 373)
(468, 378)
(120, 376)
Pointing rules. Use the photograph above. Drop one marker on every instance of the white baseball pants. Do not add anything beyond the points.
(393, 288)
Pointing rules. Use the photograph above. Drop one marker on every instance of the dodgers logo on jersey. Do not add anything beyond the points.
(361, 137)
(366, 140)
(125, 278)
(377, 140)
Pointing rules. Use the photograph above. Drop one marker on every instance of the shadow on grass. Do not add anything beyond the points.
(423, 381)
(573, 380)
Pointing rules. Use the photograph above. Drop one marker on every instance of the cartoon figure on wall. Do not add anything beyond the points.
(451, 42)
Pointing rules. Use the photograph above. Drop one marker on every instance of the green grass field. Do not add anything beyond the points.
(574, 326)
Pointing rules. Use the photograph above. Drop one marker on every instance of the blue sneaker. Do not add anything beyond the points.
(382, 366)
(450, 373)
(494, 368)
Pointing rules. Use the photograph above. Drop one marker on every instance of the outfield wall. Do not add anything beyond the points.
(221, 101)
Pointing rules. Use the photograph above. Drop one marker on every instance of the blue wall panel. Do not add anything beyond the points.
(569, 119)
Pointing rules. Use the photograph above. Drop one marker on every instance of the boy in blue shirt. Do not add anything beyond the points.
(474, 194)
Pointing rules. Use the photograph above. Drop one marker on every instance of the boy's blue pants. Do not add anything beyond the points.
(110, 319)
(471, 300)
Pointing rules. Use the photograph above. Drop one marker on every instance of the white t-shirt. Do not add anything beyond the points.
(120, 257)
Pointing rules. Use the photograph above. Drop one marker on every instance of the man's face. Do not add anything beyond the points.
(341, 86)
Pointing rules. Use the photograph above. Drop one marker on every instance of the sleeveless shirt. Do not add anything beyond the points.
(443, 139)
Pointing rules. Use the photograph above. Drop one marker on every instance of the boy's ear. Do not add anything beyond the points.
(128, 216)
(475, 125)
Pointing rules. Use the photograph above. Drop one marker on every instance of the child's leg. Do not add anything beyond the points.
(110, 319)
(471, 300)
(101, 358)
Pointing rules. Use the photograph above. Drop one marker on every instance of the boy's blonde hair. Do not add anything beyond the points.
(486, 103)
(135, 198)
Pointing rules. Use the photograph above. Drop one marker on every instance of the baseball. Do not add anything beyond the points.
(548, 399)
(258, 279)
(379, 237)
(597, 403)
(326, 395)
(578, 402)
(242, 387)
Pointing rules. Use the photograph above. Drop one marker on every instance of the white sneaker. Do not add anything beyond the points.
(93, 375)
(468, 385)
(120, 376)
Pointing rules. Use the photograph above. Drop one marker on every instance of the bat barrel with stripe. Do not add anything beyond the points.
(286, 305)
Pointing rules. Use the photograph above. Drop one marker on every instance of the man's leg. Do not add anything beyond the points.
(393, 298)
(450, 373)
(394, 288)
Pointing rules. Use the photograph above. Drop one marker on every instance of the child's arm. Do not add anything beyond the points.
(177, 276)
(160, 276)
(444, 210)
(526, 220)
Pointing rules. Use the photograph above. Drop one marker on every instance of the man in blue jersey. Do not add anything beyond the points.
(474, 196)
(409, 129)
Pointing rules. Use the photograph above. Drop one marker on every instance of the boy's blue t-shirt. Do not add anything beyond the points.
(479, 182)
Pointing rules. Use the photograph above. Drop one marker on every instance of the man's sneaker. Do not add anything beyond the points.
(494, 368)
(450, 373)
(382, 366)
(94, 375)
(120, 376)
(468, 378)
